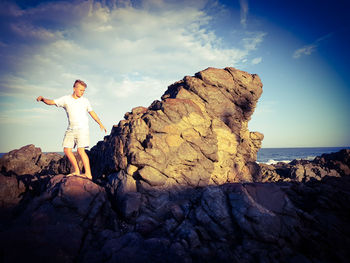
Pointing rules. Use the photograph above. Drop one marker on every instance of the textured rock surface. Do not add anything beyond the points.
(57, 225)
(25, 173)
(30, 160)
(72, 221)
(335, 164)
(178, 182)
(196, 136)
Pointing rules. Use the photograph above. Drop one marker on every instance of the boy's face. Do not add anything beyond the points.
(79, 90)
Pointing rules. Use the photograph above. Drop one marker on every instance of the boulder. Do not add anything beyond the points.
(23, 161)
(11, 194)
(332, 164)
(197, 135)
(58, 225)
(30, 160)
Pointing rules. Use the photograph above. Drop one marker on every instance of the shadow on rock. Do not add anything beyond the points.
(72, 221)
(57, 225)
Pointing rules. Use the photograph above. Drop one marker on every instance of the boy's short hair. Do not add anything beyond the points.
(80, 82)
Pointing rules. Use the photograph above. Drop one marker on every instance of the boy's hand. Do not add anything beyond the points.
(46, 101)
(103, 128)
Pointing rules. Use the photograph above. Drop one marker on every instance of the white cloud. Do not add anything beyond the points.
(29, 31)
(256, 61)
(244, 12)
(252, 40)
(128, 87)
(25, 116)
(309, 49)
(106, 41)
(305, 50)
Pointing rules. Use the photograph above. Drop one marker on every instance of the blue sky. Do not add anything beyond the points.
(128, 52)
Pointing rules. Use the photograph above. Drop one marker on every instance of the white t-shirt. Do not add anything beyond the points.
(76, 110)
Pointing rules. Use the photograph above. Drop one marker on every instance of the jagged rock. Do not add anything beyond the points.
(196, 136)
(267, 222)
(58, 225)
(22, 161)
(11, 193)
(333, 164)
(73, 222)
(29, 160)
(25, 173)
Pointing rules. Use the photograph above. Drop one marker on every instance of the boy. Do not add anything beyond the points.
(77, 133)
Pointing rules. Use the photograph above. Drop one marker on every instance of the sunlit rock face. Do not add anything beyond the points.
(197, 135)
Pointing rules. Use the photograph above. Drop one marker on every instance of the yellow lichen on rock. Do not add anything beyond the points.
(196, 135)
(174, 140)
(227, 148)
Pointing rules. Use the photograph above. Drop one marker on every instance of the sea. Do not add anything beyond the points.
(274, 155)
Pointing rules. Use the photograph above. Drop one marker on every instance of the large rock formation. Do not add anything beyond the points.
(196, 136)
(178, 182)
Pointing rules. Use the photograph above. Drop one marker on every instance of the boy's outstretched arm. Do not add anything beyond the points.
(94, 116)
(46, 101)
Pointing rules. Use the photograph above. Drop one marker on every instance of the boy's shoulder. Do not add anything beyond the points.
(85, 99)
(65, 97)
(61, 101)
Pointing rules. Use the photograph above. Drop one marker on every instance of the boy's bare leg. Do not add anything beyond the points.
(72, 159)
(86, 162)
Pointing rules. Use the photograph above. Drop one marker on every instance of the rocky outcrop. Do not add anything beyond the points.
(57, 225)
(30, 160)
(197, 135)
(252, 222)
(335, 164)
(73, 221)
(178, 182)
(24, 173)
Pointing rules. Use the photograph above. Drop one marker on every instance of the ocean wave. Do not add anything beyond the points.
(272, 161)
(309, 158)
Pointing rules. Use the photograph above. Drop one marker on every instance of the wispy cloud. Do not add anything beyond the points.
(305, 50)
(96, 41)
(32, 32)
(128, 86)
(244, 12)
(256, 61)
(25, 116)
(309, 49)
(252, 40)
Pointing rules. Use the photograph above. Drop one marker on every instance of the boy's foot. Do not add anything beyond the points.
(86, 176)
(73, 174)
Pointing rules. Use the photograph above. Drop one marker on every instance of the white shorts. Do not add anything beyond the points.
(79, 138)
